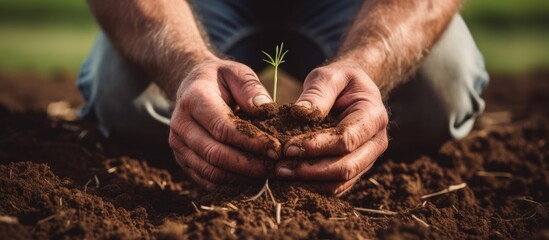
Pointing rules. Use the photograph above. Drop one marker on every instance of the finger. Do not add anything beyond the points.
(337, 168)
(205, 170)
(217, 154)
(248, 91)
(211, 112)
(355, 129)
(203, 183)
(320, 90)
(335, 188)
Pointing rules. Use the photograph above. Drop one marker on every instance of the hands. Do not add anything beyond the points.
(210, 149)
(204, 138)
(339, 158)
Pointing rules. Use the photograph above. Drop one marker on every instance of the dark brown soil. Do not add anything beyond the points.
(285, 122)
(48, 186)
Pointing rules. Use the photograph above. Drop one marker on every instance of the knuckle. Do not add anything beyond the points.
(383, 116)
(349, 171)
(220, 129)
(384, 142)
(250, 85)
(212, 154)
(172, 139)
(190, 96)
(211, 174)
(351, 140)
(316, 90)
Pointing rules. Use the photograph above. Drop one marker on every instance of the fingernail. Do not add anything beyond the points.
(272, 154)
(260, 100)
(306, 104)
(285, 172)
(293, 151)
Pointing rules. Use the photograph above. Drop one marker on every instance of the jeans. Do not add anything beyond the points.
(439, 103)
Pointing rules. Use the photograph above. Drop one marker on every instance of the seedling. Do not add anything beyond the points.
(277, 60)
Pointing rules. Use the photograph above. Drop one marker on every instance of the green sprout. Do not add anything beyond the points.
(277, 60)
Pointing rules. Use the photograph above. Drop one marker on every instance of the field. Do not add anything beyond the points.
(61, 179)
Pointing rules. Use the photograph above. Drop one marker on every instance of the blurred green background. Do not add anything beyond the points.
(42, 37)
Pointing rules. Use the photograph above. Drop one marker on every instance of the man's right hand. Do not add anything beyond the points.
(204, 137)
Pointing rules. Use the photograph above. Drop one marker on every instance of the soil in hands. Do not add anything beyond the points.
(48, 186)
(286, 121)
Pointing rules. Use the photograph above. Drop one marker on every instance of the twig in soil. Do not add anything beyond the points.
(519, 219)
(338, 218)
(82, 134)
(420, 221)
(96, 181)
(355, 213)
(455, 208)
(161, 184)
(195, 207)
(9, 220)
(527, 200)
(86, 186)
(60, 202)
(423, 204)
(231, 224)
(258, 194)
(268, 189)
(451, 188)
(294, 202)
(265, 188)
(360, 237)
(263, 228)
(494, 174)
(232, 206)
(287, 221)
(11, 173)
(384, 212)
(111, 170)
(375, 182)
(46, 219)
(278, 210)
(271, 223)
(185, 192)
(212, 208)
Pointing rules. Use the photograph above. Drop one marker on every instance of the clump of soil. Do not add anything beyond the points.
(285, 122)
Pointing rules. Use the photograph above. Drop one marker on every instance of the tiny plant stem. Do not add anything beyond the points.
(277, 60)
(275, 84)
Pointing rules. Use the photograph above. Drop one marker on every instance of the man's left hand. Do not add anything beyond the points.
(339, 156)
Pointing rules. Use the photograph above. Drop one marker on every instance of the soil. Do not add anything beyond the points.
(61, 179)
(286, 121)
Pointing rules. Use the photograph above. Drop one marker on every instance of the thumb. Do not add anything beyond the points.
(248, 92)
(320, 90)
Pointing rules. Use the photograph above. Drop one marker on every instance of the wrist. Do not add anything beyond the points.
(177, 66)
(370, 58)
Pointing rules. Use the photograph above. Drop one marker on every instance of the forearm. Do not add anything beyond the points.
(390, 37)
(161, 36)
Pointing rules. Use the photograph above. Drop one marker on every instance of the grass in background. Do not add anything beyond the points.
(40, 36)
(513, 35)
(44, 49)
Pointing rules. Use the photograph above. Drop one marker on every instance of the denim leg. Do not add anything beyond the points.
(115, 91)
(443, 100)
